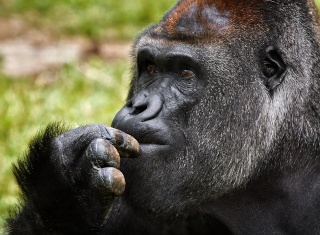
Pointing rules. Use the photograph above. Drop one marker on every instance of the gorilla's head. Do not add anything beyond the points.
(223, 92)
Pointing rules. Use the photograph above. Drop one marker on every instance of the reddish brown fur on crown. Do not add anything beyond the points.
(193, 18)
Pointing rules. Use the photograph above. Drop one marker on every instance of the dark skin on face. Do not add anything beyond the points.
(219, 134)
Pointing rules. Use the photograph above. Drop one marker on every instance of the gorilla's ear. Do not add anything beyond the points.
(274, 69)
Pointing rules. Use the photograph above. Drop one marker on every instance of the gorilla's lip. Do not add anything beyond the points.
(154, 150)
(152, 138)
(153, 142)
(148, 132)
(152, 135)
(156, 143)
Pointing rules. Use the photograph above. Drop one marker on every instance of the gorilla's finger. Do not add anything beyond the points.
(109, 180)
(126, 145)
(101, 153)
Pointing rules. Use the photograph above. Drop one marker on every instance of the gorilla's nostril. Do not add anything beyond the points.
(129, 104)
(138, 109)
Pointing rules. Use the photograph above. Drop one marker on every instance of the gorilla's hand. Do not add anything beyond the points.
(76, 177)
(90, 159)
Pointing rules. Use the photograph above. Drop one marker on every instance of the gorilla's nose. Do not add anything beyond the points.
(145, 106)
(142, 107)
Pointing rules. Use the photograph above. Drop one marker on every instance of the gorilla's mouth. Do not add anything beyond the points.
(156, 137)
(152, 141)
(151, 136)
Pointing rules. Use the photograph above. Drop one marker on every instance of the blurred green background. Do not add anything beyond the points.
(88, 90)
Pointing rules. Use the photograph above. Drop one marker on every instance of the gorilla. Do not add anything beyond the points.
(220, 133)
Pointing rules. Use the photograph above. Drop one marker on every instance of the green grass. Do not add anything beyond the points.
(99, 19)
(82, 94)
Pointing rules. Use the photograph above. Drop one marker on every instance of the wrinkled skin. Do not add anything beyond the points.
(219, 135)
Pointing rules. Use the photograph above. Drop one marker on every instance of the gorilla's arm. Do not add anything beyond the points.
(69, 180)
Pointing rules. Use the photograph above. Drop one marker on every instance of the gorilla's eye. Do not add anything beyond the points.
(151, 68)
(187, 73)
(269, 69)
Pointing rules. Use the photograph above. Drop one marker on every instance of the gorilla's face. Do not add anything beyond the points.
(169, 83)
(189, 108)
(199, 109)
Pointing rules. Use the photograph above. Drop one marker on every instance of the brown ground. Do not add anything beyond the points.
(25, 51)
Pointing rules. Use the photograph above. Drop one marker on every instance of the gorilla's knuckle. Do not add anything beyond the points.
(56, 144)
